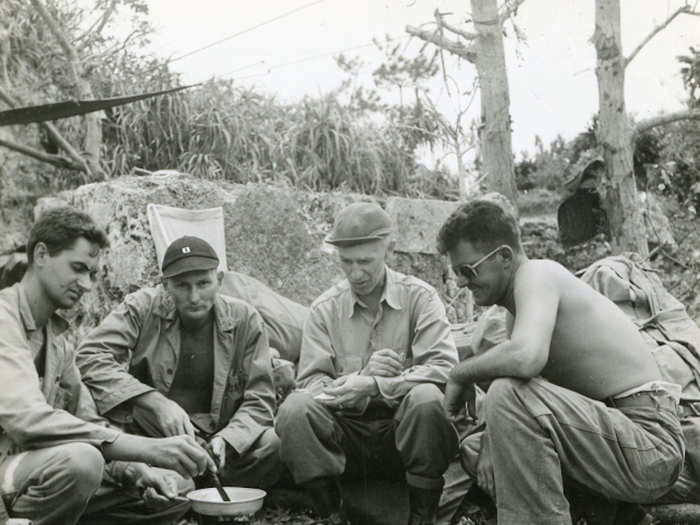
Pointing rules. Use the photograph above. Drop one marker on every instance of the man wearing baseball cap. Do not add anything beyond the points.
(181, 358)
(375, 355)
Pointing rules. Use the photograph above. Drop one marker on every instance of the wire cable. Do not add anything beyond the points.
(234, 35)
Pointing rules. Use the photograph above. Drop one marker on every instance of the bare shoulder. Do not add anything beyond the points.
(542, 271)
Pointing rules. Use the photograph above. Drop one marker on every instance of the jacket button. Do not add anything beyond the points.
(169, 371)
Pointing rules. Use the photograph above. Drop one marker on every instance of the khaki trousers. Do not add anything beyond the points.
(415, 441)
(62, 485)
(539, 433)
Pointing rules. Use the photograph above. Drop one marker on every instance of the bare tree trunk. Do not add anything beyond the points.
(618, 191)
(83, 90)
(494, 131)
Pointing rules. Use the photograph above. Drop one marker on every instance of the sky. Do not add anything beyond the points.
(551, 72)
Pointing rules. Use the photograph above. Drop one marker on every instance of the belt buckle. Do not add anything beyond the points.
(692, 407)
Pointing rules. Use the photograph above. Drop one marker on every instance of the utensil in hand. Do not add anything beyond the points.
(216, 477)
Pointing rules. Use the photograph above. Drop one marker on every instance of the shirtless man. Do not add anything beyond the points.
(573, 393)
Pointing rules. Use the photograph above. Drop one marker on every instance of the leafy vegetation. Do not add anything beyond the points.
(215, 131)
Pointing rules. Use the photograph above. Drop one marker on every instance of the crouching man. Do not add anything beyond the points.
(53, 445)
(375, 353)
(575, 395)
(182, 359)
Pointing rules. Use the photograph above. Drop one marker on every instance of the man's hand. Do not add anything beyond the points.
(179, 453)
(383, 363)
(350, 391)
(484, 470)
(159, 416)
(218, 449)
(156, 486)
(456, 396)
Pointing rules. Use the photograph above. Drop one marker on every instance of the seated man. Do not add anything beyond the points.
(53, 445)
(375, 352)
(574, 394)
(181, 358)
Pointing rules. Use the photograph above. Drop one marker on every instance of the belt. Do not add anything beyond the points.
(689, 409)
(645, 400)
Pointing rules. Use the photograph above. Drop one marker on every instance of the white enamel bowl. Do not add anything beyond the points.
(208, 502)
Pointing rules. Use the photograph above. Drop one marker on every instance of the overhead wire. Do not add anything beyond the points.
(249, 29)
(309, 58)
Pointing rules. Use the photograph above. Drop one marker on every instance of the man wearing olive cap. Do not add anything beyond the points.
(181, 358)
(375, 354)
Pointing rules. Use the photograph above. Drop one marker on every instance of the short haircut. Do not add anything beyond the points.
(482, 222)
(59, 228)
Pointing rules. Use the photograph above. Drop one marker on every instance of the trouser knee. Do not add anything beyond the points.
(295, 411)
(503, 395)
(424, 401)
(84, 465)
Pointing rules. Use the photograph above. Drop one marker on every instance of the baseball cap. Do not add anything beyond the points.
(187, 254)
(360, 222)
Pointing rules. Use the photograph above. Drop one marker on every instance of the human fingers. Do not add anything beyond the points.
(164, 485)
(390, 360)
(335, 391)
(151, 496)
(218, 448)
(201, 457)
(189, 428)
(385, 370)
(388, 352)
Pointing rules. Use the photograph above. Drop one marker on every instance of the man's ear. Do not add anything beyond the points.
(220, 276)
(507, 256)
(389, 254)
(41, 253)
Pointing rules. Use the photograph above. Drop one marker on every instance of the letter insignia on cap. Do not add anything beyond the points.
(186, 249)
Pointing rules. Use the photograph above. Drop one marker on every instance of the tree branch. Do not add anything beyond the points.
(53, 27)
(459, 32)
(686, 9)
(52, 131)
(55, 160)
(98, 25)
(105, 18)
(510, 9)
(662, 120)
(454, 47)
(83, 90)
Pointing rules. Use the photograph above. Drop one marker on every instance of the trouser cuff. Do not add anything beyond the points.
(422, 482)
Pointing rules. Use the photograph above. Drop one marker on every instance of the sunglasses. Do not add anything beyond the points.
(471, 271)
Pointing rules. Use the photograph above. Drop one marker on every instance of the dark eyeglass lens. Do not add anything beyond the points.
(467, 272)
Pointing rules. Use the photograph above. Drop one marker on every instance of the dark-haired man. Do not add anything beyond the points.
(574, 393)
(53, 445)
(181, 358)
(375, 353)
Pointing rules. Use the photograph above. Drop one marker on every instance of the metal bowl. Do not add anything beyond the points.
(208, 502)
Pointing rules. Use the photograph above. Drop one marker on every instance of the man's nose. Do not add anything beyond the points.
(85, 282)
(355, 273)
(194, 295)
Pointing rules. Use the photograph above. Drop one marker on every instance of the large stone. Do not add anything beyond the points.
(273, 233)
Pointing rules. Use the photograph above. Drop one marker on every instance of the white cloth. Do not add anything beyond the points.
(168, 224)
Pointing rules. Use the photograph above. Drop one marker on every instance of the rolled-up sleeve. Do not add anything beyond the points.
(25, 415)
(256, 412)
(433, 349)
(104, 355)
(317, 358)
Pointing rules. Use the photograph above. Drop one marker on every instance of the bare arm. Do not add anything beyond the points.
(526, 353)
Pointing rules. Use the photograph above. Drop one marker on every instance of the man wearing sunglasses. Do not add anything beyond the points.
(573, 394)
(375, 353)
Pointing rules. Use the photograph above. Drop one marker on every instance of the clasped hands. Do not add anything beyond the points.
(353, 390)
